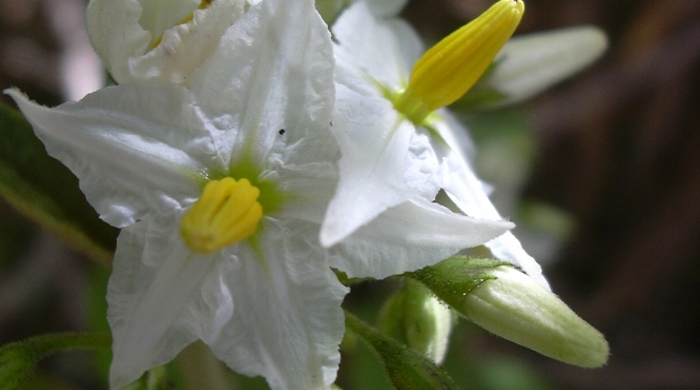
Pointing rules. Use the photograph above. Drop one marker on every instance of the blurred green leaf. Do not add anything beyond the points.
(46, 191)
(19, 359)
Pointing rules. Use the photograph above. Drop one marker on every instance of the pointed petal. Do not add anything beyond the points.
(411, 236)
(383, 49)
(275, 67)
(118, 37)
(468, 193)
(384, 161)
(287, 322)
(529, 64)
(157, 299)
(135, 149)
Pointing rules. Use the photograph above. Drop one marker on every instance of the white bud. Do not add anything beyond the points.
(515, 307)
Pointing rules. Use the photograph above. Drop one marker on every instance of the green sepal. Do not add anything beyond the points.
(406, 369)
(46, 192)
(454, 278)
(19, 359)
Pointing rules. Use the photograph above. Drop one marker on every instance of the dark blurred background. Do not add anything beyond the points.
(618, 147)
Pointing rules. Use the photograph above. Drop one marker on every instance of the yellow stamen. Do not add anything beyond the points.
(227, 212)
(450, 68)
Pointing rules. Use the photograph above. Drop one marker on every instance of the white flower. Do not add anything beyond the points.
(403, 161)
(158, 41)
(220, 190)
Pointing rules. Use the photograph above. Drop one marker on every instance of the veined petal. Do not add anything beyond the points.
(411, 236)
(384, 160)
(124, 45)
(275, 67)
(467, 192)
(384, 49)
(161, 298)
(137, 150)
(287, 322)
(277, 316)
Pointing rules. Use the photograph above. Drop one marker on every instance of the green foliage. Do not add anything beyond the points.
(19, 359)
(46, 191)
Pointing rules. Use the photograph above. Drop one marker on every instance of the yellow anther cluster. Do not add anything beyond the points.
(450, 68)
(227, 212)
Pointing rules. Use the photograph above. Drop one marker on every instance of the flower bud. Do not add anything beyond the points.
(512, 305)
(405, 368)
(420, 319)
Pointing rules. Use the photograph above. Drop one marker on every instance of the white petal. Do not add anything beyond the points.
(384, 161)
(135, 149)
(123, 44)
(115, 34)
(157, 301)
(272, 71)
(383, 49)
(158, 16)
(411, 236)
(287, 322)
(455, 135)
(468, 193)
(529, 64)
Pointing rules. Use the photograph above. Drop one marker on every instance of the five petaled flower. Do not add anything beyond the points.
(220, 189)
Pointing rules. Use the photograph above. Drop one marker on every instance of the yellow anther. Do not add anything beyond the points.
(450, 68)
(227, 212)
